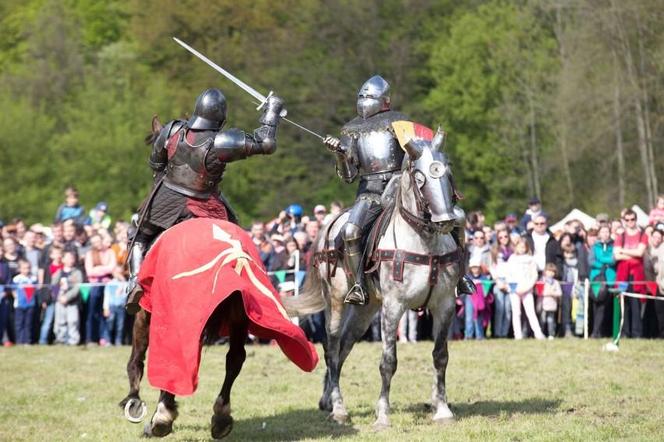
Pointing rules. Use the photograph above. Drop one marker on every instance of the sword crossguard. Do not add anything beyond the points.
(283, 112)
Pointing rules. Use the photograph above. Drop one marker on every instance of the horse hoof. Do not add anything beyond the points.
(444, 420)
(221, 426)
(135, 410)
(158, 429)
(340, 418)
(381, 425)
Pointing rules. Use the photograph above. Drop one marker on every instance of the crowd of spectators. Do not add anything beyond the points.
(65, 283)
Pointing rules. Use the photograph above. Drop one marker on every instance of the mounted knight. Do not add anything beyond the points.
(369, 149)
(188, 160)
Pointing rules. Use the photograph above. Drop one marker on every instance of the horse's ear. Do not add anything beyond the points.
(438, 142)
(413, 149)
(156, 124)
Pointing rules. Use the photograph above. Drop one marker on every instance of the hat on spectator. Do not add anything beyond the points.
(37, 228)
(602, 218)
(277, 237)
(102, 206)
(660, 228)
(287, 286)
(510, 218)
(534, 200)
(320, 209)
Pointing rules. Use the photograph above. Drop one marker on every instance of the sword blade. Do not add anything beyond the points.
(244, 86)
(303, 128)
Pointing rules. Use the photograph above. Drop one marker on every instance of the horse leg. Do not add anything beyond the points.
(161, 423)
(324, 403)
(391, 313)
(222, 422)
(134, 407)
(339, 413)
(443, 317)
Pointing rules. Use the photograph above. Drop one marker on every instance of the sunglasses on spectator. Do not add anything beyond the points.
(629, 219)
(502, 236)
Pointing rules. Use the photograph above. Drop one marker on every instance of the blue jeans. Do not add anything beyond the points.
(502, 314)
(47, 324)
(95, 326)
(23, 320)
(473, 327)
(114, 324)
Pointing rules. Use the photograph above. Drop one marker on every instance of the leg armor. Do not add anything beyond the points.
(465, 285)
(144, 237)
(364, 212)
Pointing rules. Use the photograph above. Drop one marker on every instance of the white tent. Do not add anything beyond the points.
(587, 220)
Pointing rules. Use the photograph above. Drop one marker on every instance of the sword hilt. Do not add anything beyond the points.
(283, 112)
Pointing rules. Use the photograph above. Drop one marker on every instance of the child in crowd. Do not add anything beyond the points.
(569, 278)
(48, 298)
(24, 302)
(114, 300)
(67, 280)
(657, 213)
(522, 271)
(551, 292)
(475, 305)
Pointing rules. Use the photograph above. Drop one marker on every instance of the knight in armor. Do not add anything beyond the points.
(368, 148)
(188, 160)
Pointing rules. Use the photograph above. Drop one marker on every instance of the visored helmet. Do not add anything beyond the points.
(209, 110)
(373, 97)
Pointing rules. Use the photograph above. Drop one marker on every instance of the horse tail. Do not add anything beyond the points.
(311, 299)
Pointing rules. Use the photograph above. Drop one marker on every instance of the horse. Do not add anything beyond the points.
(417, 264)
(226, 292)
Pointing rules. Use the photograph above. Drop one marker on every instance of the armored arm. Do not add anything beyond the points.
(235, 144)
(346, 156)
(159, 156)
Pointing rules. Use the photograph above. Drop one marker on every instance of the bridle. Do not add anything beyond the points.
(420, 223)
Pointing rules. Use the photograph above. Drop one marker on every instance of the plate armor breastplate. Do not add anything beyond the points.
(186, 172)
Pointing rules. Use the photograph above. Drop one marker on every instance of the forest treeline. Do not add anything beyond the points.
(561, 99)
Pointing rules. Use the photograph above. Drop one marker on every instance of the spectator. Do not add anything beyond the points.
(629, 248)
(479, 251)
(280, 261)
(25, 302)
(121, 245)
(69, 238)
(68, 280)
(522, 278)
(48, 295)
(502, 313)
(654, 270)
(512, 223)
(475, 305)
(114, 301)
(295, 258)
(602, 264)
(320, 212)
(99, 217)
(408, 326)
(534, 210)
(551, 293)
(602, 219)
(70, 209)
(99, 264)
(544, 246)
(570, 278)
(31, 253)
(311, 229)
(657, 213)
(6, 303)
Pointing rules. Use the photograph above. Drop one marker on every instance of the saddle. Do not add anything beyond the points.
(370, 239)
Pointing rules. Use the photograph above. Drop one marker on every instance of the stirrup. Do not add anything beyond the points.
(356, 296)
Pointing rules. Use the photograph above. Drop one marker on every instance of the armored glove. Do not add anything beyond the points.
(333, 144)
(273, 108)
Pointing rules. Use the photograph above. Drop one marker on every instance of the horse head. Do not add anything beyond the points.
(427, 188)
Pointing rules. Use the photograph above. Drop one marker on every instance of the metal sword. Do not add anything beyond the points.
(244, 86)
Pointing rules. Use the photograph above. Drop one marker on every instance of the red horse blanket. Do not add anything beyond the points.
(187, 273)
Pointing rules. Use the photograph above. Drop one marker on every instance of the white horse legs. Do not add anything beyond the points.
(442, 412)
(388, 364)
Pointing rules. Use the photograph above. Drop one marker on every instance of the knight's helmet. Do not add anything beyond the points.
(373, 97)
(209, 111)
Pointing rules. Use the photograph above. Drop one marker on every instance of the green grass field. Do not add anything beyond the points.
(499, 390)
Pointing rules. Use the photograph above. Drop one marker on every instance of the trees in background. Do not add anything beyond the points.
(556, 98)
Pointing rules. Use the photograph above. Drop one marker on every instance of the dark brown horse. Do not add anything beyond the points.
(230, 313)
